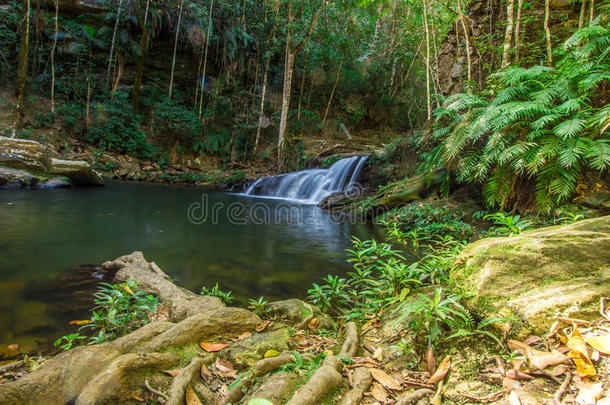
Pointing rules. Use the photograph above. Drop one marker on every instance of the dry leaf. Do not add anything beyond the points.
(243, 336)
(172, 373)
(430, 360)
(518, 375)
(531, 339)
(83, 322)
(161, 315)
(600, 343)
(137, 398)
(441, 371)
(537, 358)
(588, 393)
(262, 326)
(313, 324)
(509, 384)
(191, 397)
(224, 368)
(379, 393)
(387, 381)
(205, 371)
(378, 355)
(271, 353)
(213, 347)
(14, 347)
(580, 355)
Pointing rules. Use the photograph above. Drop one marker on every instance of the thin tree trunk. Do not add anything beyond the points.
(22, 68)
(116, 28)
(171, 78)
(583, 9)
(198, 80)
(142, 46)
(332, 93)
(303, 81)
(428, 102)
(53, 57)
(119, 74)
(592, 11)
(88, 105)
(547, 30)
(518, 29)
(436, 66)
(467, 38)
(508, 36)
(205, 56)
(262, 108)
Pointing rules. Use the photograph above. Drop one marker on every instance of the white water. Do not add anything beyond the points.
(310, 186)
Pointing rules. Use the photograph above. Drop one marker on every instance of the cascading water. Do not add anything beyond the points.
(310, 186)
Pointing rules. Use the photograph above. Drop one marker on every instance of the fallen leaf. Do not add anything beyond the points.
(441, 371)
(271, 353)
(378, 355)
(600, 343)
(224, 368)
(14, 347)
(430, 360)
(172, 373)
(262, 326)
(537, 358)
(137, 398)
(243, 336)
(313, 324)
(531, 339)
(379, 393)
(213, 347)
(588, 393)
(387, 381)
(509, 384)
(518, 375)
(205, 371)
(191, 397)
(83, 322)
(580, 355)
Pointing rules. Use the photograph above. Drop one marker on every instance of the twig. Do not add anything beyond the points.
(11, 366)
(602, 309)
(154, 391)
(418, 384)
(562, 389)
(487, 398)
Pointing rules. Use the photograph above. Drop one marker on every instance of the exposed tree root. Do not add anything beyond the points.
(164, 397)
(414, 397)
(350, 345)
(562, 389)
(182, 380)
(265, 366)
(322, 380)
(362, 380)
(204, 392)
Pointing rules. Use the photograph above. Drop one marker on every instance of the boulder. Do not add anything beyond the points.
(295, 312)
(79, 172)
(252, 349)
(538, 274)
(23, 154)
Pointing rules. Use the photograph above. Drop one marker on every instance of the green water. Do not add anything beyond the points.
(251, 246)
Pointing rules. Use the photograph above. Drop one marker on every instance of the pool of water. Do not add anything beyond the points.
(251, 246)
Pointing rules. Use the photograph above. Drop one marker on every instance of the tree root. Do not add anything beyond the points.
(350, 345)
(362, 380)
(414, 397)
(164, 397)
(265, 366)
(322, 380)
(562, 389)
(181, 381)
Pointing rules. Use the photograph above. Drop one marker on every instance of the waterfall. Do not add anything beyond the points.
(310, 186)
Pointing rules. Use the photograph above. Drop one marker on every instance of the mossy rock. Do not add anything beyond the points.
(294, 311)
(250, 350)
(538, 274)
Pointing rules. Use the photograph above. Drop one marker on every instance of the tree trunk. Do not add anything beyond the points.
(583, 9)
(262, 107)
(205, 56)
(171, 78)
(518, 29)
(22, 68)
(116, 27)
(547, 30)
(142, 46)
(467, 38)
(88, 105)
(288, 70)
(428, 102)
(592, 11)
(508, 36)
(53, 58)
(303, 82)
(332, 93)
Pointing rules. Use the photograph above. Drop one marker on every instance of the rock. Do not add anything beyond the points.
(79, 172)
(538, 274)
(23, 154)
(294, 311)
(248, 351)
(599, 200)
(57, 182)
(14, 178)
(277, 388)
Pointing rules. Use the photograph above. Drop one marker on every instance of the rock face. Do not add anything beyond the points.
(538, 274)
(25, 163)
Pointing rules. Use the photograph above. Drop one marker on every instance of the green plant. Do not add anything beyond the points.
(471, 328)
(215, 291)
(69, 340)
(304, 365)
(507, 225)
(261, 306)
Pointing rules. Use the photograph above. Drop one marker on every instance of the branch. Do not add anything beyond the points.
(312, 26)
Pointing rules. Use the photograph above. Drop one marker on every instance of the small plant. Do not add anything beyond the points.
(507, 225)
(333, 294)
(304, 365)
(69, 340)
(260, 307)
(215, 291)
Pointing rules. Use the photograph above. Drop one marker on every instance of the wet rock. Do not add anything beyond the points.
(15, 178)
(538, 274)
(23, 154)
(79, 172)
(57, 182)
(294, 311)
(248, 351)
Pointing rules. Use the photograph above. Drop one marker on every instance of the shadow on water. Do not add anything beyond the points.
(250, 246)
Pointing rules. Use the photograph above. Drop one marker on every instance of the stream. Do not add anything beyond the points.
(51, 241)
